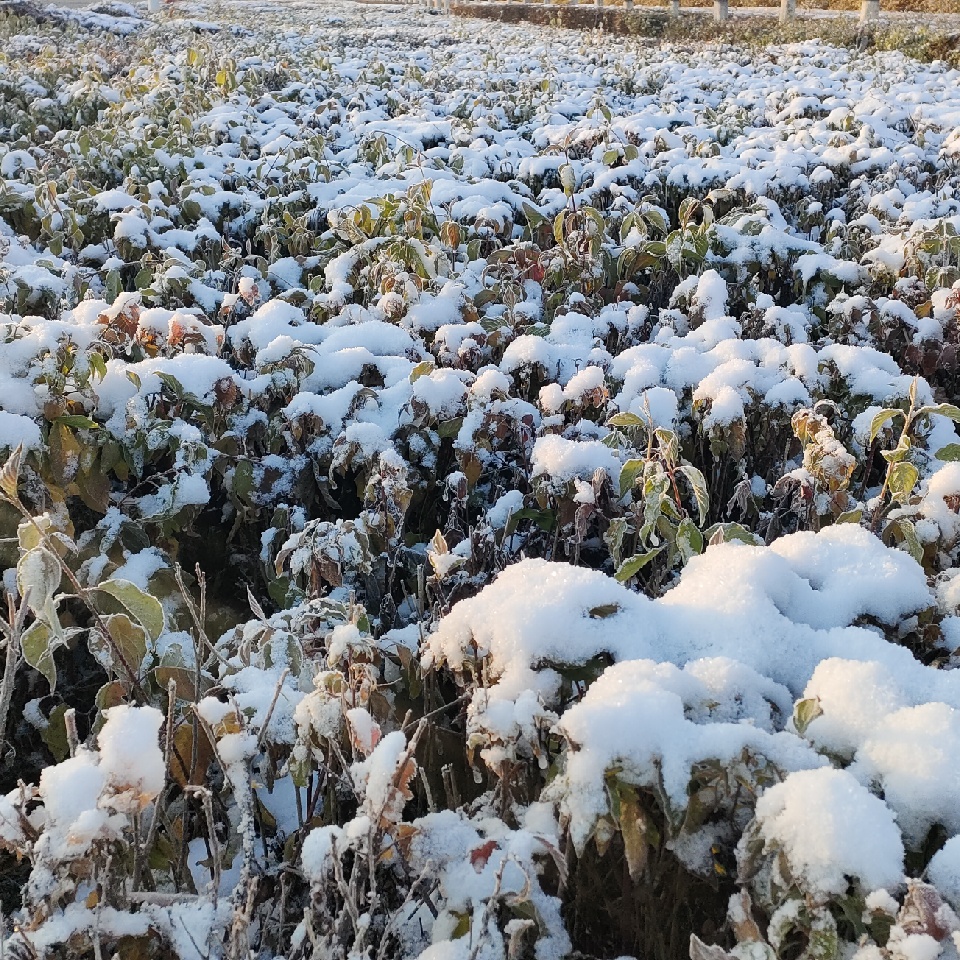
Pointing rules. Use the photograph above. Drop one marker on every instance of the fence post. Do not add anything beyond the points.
(788, 10)
(870, 11)
(674, 8)
(721, 9)
(628, 4)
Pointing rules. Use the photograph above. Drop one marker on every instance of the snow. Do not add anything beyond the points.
(130, 756)
(16, 430)
(635, 718)
(831, 828)
(560, 460)
(943, 871)
(379, 774)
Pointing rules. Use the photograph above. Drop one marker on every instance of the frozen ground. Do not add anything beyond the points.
(590, 399)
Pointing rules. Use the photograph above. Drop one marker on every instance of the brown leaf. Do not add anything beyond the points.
(706, 951)
(633, 826)
(183, 750)
(226, 391)
(403, 837)
(129, 638)
(94, 489)
(10, 474)
(921, 912)
(330, 571)
(480, 855)
(64, 453)
(185, 682)
(740, 915)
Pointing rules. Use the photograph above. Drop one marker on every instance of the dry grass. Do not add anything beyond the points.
(896, 6)
(916, 38)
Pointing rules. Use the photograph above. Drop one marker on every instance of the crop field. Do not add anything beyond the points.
(475, 491)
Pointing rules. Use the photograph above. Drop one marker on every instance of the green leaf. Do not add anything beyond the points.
(943, 410)
(129, 638)
(908, 538)
(950, 453)
(77, 422)
(243, 479)
(805, 712)
(191, 210)
(725, 532)
(38, 650)
(850, 516)
(114, 285)
(54, 735)
(689, 539)
(630, 568)
(463, 925)
(534, 217)
(625, 420)
(613, 538)
(596, 217)
(899, 452)
(902, 479)
(628, 474)
(699, 485)
(655, 219)
(171, 383)
(97, 364)
(687, 208)
(449, 428)
(38, 577)
(669, 445)
(423, 369)
(544, 519)
(147, 610)
(879, 419)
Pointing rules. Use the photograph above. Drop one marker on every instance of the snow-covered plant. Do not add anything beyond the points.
(470, 495)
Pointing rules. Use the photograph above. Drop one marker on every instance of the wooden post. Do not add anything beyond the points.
(870, 11)
(788, 10)
(721, 9)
